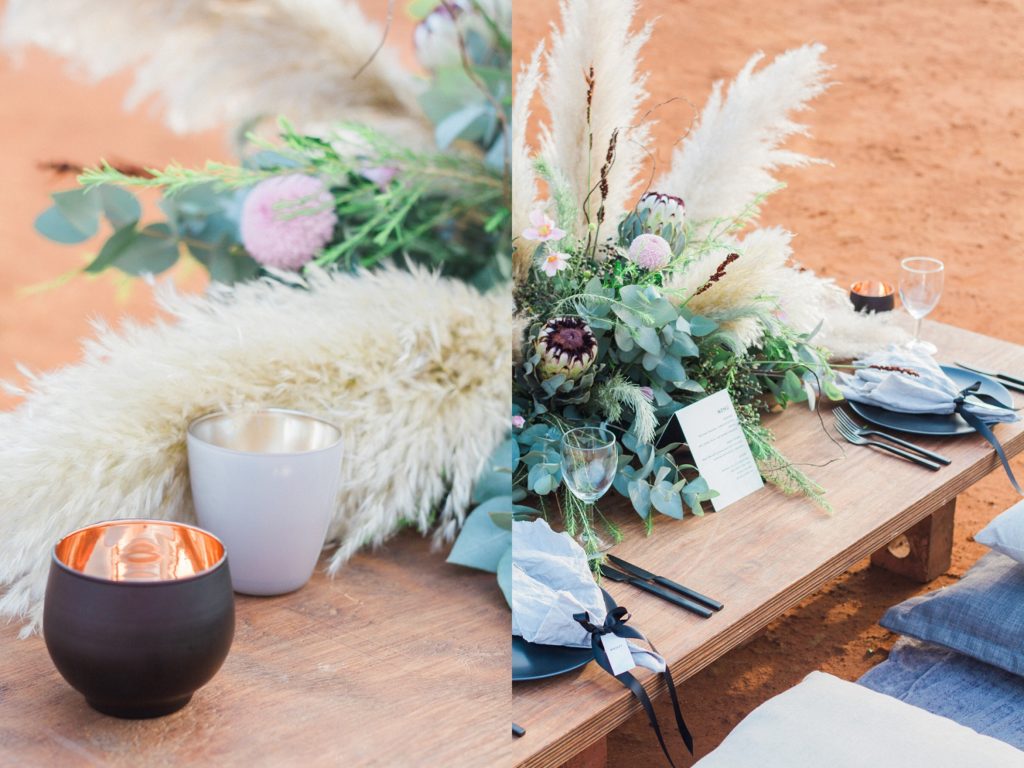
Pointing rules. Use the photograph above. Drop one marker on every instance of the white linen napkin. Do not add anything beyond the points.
(930, 391)
(551, 581)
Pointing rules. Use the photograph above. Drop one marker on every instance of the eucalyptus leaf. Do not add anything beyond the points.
(491, 483)
(623, 338)
(458, 123)
(702, 326)
(666, 501)
(153, 250)
(671, 369)
(505, 575)
(53, 225)
(683, 346)
(81, 207)
(662, 312)
(229, 266)
(481, 544)
(119, 206)
(640, 495)
(792, 388)
(544, 485)
(648, 340)
(113, 248)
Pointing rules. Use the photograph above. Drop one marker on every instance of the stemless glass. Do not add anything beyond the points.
(921, 279)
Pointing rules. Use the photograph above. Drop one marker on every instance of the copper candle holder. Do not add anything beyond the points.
(139, 614)
(873, 296)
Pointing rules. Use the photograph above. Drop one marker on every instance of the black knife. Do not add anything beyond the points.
(682, 602)
(640, 573)
(1008, 381)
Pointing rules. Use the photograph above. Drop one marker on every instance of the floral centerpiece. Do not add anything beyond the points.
(636, 305)
(429, 188)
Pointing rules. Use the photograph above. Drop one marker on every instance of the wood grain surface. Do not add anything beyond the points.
(400, 660)
(760, 556)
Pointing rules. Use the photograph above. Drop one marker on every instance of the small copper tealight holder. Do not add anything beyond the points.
(139, 614)
(873, 296)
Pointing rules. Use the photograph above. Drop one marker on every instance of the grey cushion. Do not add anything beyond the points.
(981, 616)
(1005, 534)
(977, 695)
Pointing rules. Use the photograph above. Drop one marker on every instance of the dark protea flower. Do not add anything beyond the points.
(566, 346)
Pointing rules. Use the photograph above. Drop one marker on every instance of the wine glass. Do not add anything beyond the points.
(589, 463)
(921, 280)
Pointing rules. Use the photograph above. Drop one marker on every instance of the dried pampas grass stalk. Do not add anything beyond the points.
(524, 177)
(409, 365)
(207, 63)
(727, 162)
(593, 70)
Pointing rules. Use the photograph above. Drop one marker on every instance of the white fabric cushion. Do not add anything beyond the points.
(1005, 534)
(825, 721)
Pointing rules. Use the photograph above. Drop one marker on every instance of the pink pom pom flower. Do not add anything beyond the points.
(650, 251)
(287, 220)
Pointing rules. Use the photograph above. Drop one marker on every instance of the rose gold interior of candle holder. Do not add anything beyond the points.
(139, 550)
(876, 288)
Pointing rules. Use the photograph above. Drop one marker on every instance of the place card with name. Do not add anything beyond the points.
(719, 448)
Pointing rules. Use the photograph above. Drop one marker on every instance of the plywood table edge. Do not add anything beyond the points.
(624, 706)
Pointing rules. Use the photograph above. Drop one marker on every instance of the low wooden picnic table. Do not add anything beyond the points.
(401, 660)
(766, 553)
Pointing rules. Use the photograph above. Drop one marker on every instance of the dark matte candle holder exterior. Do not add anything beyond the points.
(873, 296)
(139, 614)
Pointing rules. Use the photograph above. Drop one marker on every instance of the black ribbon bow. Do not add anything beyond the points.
(983, 429)
(615, 624)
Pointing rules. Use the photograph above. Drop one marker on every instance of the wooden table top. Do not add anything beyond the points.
(400, 660)
(760, 557)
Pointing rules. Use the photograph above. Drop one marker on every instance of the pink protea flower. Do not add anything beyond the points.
(518, 422)
(542, 227)
(286, 220)
(650, 251)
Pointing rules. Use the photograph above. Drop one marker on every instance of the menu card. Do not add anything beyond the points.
(719, 448)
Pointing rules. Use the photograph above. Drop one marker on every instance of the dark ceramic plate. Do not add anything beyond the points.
(532, 661)
(934, 424)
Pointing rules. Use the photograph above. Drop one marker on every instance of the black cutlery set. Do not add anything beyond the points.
(857, 434)
(668, 590)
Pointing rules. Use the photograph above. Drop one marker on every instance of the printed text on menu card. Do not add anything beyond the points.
(719, 448)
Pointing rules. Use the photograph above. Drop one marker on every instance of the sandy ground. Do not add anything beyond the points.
(924, 130)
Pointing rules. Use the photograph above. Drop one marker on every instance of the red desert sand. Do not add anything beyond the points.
(923, 128)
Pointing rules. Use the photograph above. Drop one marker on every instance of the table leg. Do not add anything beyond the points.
(594, 756)
(924, 552)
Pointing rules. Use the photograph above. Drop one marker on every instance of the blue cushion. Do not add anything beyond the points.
(981, 616)
(974, 694)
